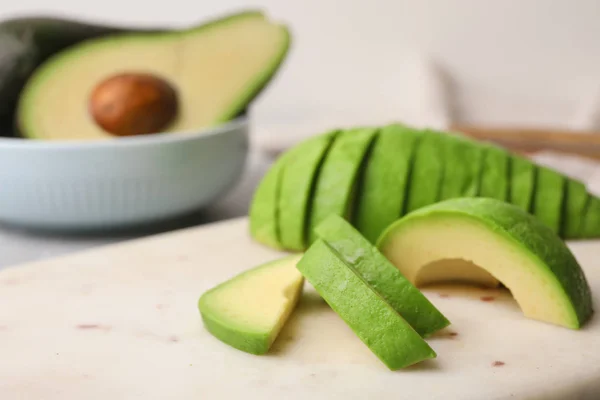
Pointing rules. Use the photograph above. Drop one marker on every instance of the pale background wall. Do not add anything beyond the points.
(519, 61)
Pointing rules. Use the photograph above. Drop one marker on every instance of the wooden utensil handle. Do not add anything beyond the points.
(531, 140)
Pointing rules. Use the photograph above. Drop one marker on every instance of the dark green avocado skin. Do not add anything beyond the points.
(28, 41)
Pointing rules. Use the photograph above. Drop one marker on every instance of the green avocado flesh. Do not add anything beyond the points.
(576, 197)
(264, 212)
(512, 245)
(495, 174)
(522, 182)
(591, 219)
(299, 174)
(374, 321)
(373, 176)
(248, 311)
(463, 165)
(216, 69)
(549, 196)
(337, 180)
(427, 172)
(387, 173)
(381, 275)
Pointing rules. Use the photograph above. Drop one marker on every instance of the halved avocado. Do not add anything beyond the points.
(576, 198)
(462, 176)
(549, 197)
(522, 182)
(212, 71)
(512, 245)
(298, 179)
(337, 181)
(591, 219)
(382, 194)
(495, 174)
(264, 210)
(427, 172)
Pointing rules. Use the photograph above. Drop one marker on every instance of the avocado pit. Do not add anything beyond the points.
(130, 104)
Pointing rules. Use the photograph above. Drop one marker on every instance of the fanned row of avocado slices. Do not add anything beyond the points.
(372, 176)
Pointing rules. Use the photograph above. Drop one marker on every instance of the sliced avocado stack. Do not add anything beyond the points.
(371, 177)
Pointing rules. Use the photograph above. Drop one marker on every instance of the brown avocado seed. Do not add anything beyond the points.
(133, 104)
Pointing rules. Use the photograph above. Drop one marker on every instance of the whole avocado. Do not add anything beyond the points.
(28, 41)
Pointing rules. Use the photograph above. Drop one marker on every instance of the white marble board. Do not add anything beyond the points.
(121, 322)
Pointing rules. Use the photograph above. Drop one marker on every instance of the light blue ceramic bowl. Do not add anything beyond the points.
(119, 183)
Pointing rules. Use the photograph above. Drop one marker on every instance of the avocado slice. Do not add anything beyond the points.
(382, 194)
(297, 184)
(549, 197)
(514, 246)
(374, 321)
(462, 174)
(495, 173)
(427, 172)
(338, 179)
(215, 70)
(576, 198)
(522, 182)
(264, 209)
(248, 311)
(28, 41)
(591, 219)
(381, 275)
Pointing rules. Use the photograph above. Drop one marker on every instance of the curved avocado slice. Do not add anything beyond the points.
(495, 173)
(549, 197)
(381, 275)
(299, 174)
(216, 70)
(338, 179)
(374, 321)
(515, 247)
(427, 172)
(382, 194)
(248, 311)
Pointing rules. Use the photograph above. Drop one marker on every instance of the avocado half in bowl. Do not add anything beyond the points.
(91, 156)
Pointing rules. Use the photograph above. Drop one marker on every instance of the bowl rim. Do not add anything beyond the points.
(129, 141)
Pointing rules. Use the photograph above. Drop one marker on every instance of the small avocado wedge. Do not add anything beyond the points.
(463, 165)
(591, 219)
(381, 275)
(264, 210)
(299, 174)
(427, 172)
(338, 179)
(382, 196)
(549, 197)
(522, 182)
(374, 321)
(495, 174)
(512, 245)
(576, 198)
(192, 79)
(248, 311)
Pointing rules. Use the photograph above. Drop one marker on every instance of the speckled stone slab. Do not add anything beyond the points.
(121, 322)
